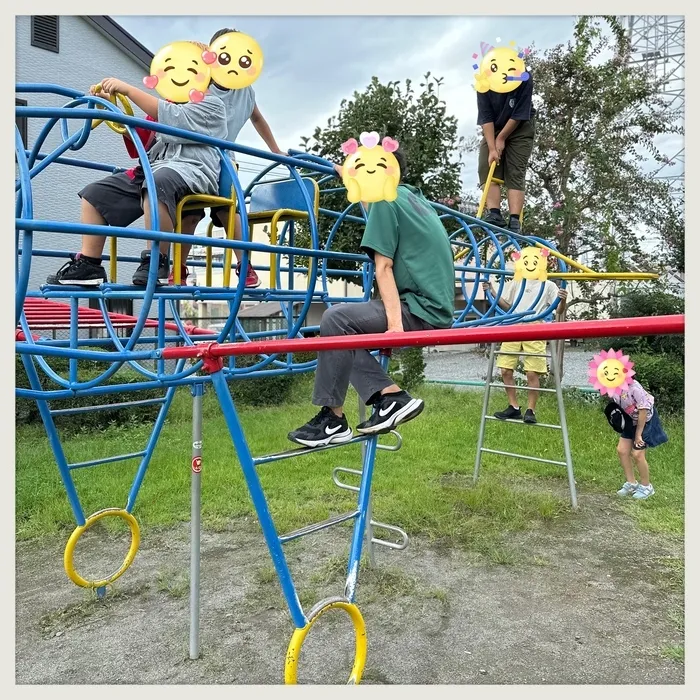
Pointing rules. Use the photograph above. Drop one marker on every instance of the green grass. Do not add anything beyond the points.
(675, 652)
(426, 487)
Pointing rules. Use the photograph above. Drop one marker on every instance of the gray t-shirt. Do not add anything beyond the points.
(198, 165)
(239, 108)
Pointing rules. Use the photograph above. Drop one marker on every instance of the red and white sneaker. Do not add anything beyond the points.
(251, 278)
(184, 273)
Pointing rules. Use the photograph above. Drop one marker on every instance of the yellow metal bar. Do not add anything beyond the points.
(194, 201)
(126, 105)
(587, 276)
(207, 280)
(113, 259)
(484, 194)
(177, 248)
(568, 261)
(273, 241)
(230, 234)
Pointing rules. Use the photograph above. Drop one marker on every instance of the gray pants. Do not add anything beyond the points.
(339, 368)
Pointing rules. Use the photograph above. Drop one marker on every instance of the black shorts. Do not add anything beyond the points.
(219, 215)
(120, 199)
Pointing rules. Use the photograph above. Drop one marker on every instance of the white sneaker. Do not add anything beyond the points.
(628, 489)
(643, 491)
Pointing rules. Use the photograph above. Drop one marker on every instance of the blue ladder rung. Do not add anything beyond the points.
(315, 527)
(105, 407)
(106, 460)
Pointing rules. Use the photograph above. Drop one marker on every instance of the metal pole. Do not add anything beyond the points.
(369, 530)
(196, 516)
(565, 435)
(482, 426)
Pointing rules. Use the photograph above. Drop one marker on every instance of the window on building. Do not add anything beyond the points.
(45, 32)
(21, 122)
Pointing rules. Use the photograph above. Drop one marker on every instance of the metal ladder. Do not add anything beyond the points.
(555, 356)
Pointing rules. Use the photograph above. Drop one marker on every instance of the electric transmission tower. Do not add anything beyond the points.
(657, 44)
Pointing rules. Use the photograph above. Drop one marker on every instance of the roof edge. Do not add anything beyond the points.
(132, 46)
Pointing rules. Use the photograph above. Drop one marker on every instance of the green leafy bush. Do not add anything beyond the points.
(26, 410)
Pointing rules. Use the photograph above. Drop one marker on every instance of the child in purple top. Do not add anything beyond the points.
(642, 431)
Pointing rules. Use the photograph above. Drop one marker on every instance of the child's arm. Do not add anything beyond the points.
(641, 422)
(263, 128)
(148, 103)
(487, 286)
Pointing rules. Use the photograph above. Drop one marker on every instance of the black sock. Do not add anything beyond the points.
(515, 217)
(495, 211)
(92, 261)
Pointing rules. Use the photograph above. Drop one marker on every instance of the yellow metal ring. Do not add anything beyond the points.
(73, 575)
(126, 105)
(294, 649)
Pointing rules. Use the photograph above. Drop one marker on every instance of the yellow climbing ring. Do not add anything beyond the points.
(126, 106)
(294, 649)
(73, 575)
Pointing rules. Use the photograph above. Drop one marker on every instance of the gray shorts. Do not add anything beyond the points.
(120, 199)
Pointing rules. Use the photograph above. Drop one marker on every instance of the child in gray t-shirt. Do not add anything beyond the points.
(240, 107)
(180, 167)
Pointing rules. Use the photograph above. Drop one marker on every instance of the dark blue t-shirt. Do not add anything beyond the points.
(499, 107)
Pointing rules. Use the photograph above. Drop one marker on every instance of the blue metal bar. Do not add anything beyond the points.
(88, 164)
(73, 363)
(363, 499)
(104, 407)
(153, 235)
(152, 442)
(54, 441)
(105, 460)
(27, 210)
(258, 497)
(120, 118)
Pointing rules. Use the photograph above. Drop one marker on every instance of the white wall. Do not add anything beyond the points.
(85, 57)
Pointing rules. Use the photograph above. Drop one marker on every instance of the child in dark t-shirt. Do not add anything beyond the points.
(507, 122)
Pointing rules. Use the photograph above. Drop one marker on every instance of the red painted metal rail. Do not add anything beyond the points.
(650, 325)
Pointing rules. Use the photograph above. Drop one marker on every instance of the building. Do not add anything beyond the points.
(74, 52)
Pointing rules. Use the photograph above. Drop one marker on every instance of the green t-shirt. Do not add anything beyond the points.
(409, 231)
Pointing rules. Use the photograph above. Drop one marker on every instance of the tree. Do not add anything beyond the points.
(417, 120)
(597, 118)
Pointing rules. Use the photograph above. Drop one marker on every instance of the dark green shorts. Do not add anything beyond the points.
(516, 154)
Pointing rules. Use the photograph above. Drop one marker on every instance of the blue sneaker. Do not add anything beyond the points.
(643, 491)
(628, 489)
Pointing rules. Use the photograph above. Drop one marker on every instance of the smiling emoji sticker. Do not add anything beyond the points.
(178, 73)
(502, 68)
(371, 172)
(530, 264)
(236, 60)
(610, 372)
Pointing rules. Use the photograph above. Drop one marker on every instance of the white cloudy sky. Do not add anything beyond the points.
(312, 63)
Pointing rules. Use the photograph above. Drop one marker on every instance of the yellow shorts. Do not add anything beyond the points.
(531, 364)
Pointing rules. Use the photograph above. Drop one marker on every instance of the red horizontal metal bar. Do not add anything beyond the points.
(653, 325)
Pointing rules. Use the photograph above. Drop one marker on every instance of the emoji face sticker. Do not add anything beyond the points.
(371, 172)
(236, 60)
(178, 73)
(610, 372)
(502, 68)
(530, 264)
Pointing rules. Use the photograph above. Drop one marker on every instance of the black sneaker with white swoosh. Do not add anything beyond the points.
(390, 411)
(323, 429)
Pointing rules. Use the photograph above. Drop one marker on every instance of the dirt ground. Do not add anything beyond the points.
(581, 605)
